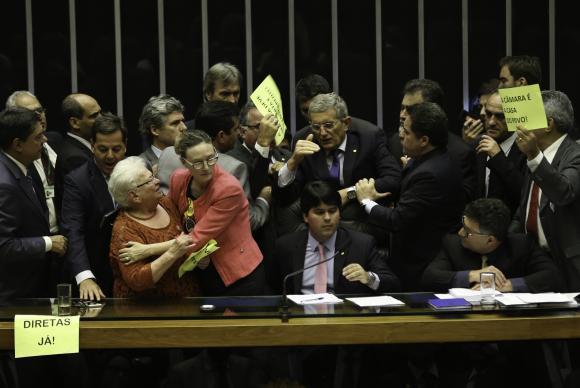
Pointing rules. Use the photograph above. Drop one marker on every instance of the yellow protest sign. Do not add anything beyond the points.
(267, 99)
(43, 335)
(523, 106)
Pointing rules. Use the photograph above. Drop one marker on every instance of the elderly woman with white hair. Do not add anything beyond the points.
(147, 217)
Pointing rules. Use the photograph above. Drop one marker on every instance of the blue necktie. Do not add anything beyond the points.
(334, 170)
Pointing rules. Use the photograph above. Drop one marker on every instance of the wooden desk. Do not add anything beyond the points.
(370, 329)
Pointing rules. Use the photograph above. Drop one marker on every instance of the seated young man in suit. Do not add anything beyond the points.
(357, 268)
(483, 244)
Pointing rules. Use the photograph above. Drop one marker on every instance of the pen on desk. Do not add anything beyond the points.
(312, 299)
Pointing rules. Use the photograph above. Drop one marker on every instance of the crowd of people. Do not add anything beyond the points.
(422, 207)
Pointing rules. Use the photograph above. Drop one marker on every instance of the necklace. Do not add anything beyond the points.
(143, 218)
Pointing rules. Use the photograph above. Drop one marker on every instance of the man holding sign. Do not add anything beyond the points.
(550, 203)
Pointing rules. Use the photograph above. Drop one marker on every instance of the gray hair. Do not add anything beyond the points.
(323, 102)
(244, 112)
(11, 100)
(224, 72)
(559, 108)
(156, 110)
(124, 178)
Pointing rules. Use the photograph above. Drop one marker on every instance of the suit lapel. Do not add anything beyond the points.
(298, 260)
(342, 242)
(99, 185)
(350, 155)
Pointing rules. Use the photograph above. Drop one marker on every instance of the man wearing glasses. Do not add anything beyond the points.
(483, 244)
(340, 150)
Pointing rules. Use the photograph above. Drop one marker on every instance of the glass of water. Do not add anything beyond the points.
(487, 284)
(63, 295)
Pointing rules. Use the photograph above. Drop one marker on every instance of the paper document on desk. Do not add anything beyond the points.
(376, 301)
(324, 298)
(472, 296)
(522, 299)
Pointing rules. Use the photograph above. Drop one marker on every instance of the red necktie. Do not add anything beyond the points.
(320, 276)
(532, 219)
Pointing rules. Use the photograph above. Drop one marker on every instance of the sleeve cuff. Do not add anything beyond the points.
(263, 200)
(368, 204)
(263, 151)
(374, 281)
(84, 275)
(534, 163)
(460, 280)
(47, 243)
(519, 285)
(285, 176)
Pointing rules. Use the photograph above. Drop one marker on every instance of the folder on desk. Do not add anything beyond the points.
(449, 304)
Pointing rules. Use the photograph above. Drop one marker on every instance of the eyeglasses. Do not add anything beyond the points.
(151, 179)
(255, 127)
(328, 126)
(200, 163)
(40, 110)
(469, 232)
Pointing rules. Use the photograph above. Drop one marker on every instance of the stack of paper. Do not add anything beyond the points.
(376, 301)
(520, 299)
(325, 298)
(472, 296)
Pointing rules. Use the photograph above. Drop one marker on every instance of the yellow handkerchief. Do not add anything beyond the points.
(191, 262)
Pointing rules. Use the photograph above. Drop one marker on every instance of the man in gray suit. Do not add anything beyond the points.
(161, 122)
(550, 204)
(219, 119)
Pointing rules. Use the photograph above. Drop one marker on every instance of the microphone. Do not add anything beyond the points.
(292, 274)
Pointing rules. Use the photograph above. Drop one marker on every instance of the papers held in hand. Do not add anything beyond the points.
(449, 304)
(376, 301)
(325, 298)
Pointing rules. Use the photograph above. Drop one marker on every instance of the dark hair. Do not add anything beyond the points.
(223, 72)
(428, 119)
(71, 107)
(317, 192)
(488, 87)
(215, 116)
(155, 112)
(190, 139)
(106, 124)
(429, 89)
(492, 215)
(16, 123)
(523, 66)
(311, 86)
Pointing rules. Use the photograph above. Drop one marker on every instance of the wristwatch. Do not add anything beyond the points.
(351, 193)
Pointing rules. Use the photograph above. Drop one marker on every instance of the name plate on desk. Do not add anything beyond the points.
(44, 335)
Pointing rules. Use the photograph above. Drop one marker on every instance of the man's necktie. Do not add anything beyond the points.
(335, 167)
(483, 261)
(320, 277)
(532, 218)
(47, 166)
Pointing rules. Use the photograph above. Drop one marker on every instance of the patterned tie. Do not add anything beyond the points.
(335, 167)
(47, 166)
(320, 277)
(532, 219)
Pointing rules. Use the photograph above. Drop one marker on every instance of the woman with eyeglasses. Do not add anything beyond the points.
(146, 216)
(212, 205)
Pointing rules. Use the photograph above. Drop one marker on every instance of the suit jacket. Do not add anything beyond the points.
(429, 207)
(256, 164)
(517, 257)
(355, 247)
(86, 200)
(149, 157)
(169, 162)
(24, 264)
(221, 213)
(71, 154)
(461, 154)
(505, 178)
(559, 208)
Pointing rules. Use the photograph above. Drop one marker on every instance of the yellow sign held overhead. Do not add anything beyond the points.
(523, 105)
(44, 335)
(267, 99)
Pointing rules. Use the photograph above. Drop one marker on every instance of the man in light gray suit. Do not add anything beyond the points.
(219, 119)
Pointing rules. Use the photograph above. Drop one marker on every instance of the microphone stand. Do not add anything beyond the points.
(284, 314)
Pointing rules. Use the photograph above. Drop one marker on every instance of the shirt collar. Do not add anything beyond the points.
(21, 166)
(156, 150)
(82, 140)
(508, 143)
(329, 244)
(550, 152)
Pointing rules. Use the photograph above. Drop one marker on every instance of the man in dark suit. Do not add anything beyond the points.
(500, 165)
(431, 199)
(25, 238)
(161, 121)
(484, 245)
(550, 204)
(342, 149)
(86, 200)
(417, 91)
(357, 268)
(80, 112)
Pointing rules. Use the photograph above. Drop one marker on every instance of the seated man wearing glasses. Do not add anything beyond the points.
(337, 148)
(484, 245)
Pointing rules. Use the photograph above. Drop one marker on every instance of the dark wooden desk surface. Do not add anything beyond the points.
(157, 329)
